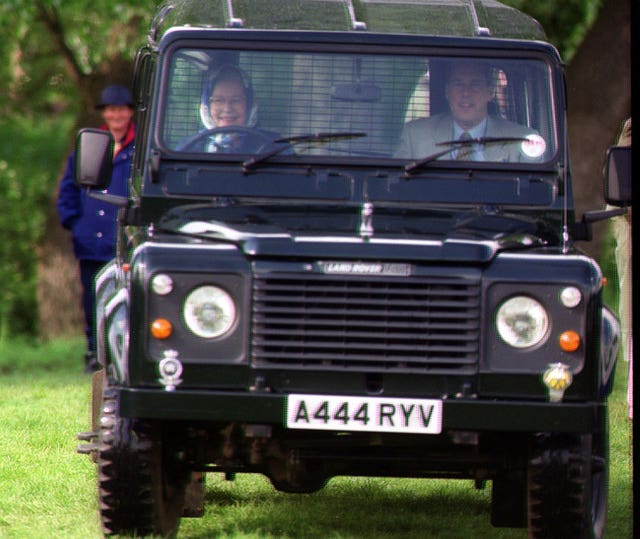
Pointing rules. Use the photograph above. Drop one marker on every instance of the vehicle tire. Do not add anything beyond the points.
(296, 476)
(194, 496)
(141, 488)
(567, 485)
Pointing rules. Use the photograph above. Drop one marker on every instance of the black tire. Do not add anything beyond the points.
(303, 477)
(140, 488)
(567, 485)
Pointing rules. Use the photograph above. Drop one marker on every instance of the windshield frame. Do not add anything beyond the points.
(348, 43)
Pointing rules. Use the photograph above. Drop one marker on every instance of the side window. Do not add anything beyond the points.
(419, 105)
(502, 102)
(145, 63)
(181, 112)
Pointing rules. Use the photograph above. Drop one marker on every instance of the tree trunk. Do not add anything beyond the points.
(59, 310)
(599, 95)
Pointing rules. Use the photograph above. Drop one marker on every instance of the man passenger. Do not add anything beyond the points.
(468, 91)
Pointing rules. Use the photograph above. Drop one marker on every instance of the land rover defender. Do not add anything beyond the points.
(298, 292)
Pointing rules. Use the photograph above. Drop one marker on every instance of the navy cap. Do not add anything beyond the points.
(115, 95)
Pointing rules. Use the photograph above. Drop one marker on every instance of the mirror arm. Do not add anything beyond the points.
(116, 200)
(594, 216)
(583, 230)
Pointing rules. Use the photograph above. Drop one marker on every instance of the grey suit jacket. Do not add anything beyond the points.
(419, 138)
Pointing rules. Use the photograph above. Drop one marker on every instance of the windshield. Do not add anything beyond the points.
(360, 107)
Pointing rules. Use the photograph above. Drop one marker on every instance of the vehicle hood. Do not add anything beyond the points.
(360, 232)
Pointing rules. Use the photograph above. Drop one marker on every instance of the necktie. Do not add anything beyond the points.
(464, 151)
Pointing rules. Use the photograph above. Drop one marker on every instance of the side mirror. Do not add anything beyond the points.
(617, 176)
(94, 158)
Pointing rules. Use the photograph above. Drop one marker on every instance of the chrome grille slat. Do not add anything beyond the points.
(351, 313)
(456, 323)
(386, 323)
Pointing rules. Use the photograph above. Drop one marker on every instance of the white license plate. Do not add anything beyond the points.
(372, 414)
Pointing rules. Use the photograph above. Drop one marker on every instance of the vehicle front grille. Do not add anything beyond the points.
(424, 323)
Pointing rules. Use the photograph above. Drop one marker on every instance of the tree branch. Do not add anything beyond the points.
(50, 17)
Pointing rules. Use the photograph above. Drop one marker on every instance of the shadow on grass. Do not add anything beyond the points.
(347, 507)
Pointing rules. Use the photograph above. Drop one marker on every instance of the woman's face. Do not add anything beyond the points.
(228, 104)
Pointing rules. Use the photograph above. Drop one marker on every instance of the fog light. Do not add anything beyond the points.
(557, 378)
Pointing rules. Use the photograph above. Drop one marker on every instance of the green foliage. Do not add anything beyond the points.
(51, 48)
(52, 54)
(565, 21)
(29, 156)
(611, 290)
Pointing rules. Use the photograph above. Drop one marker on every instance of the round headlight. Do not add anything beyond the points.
(522, 322)
(209, 312)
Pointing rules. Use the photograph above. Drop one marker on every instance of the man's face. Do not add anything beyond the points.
(468, 94)
(117, 117)
(228, 104)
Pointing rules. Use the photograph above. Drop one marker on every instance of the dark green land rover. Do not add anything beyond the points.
(349, 249)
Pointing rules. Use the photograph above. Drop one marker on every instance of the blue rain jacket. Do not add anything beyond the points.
(93, 222)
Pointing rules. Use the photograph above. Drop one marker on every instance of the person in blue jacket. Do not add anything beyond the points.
(93, 222)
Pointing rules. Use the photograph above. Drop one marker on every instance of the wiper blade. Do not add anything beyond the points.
(288, 142)
(453, 145)
(321, 137)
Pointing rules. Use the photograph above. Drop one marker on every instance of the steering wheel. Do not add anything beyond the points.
(192, 143)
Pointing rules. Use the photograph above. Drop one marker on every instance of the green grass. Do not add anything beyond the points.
(47, 490)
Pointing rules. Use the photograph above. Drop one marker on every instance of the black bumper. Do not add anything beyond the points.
(459, 414)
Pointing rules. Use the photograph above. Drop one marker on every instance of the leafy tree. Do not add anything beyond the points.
(57, 53)
(55, 56)
(564, 21)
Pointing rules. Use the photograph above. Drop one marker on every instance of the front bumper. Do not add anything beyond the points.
(267, 408)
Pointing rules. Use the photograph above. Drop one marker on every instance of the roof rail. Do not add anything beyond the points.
(355, 24)
(479, 30)
(232, 22)
(158, 19)
(466, 18)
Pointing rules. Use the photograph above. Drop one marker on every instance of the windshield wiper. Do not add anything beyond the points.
(453, 145)
(288, 142)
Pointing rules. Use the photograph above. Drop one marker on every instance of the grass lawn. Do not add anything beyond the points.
(47, 490)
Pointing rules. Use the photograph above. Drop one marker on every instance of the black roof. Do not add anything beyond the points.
(462, 18)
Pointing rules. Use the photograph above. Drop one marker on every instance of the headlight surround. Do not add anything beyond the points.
(522, 322)
(209, 312)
